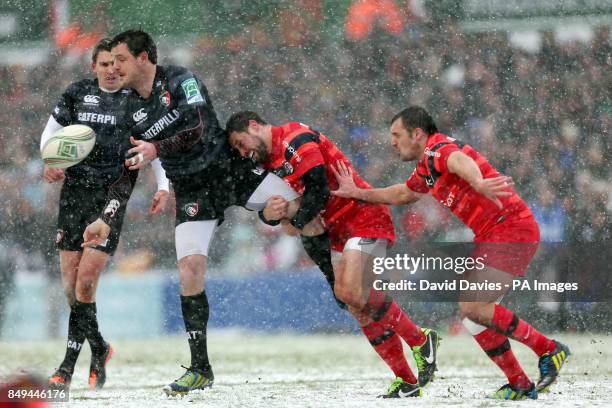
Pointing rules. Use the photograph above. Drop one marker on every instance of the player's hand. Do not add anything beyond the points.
(289, 229)
(52, 175)
(96, 233)
(495, 187)
(346, 185)
(313, 228)
(143, 153)
(276, 208)
(158, 204)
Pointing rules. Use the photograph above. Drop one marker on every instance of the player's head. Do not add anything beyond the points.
(410, 129)
(102, 66)
(133, 50)
(250, 135)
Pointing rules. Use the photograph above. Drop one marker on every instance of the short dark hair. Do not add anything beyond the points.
(239, 122)
(416, 117)
(102, 45)
(137, 41)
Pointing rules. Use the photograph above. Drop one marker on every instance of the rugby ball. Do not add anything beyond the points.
(68, 146)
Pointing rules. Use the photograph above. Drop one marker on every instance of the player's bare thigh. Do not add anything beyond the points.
(353, 270)
(90, 267)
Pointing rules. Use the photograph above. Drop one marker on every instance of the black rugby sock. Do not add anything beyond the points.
(76, 338)
(88, 322)
(195, 316)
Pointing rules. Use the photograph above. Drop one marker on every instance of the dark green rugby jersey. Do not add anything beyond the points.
(83, 102)
(179, 104)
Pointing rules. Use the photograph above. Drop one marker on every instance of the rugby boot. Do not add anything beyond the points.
(193, 379)
(550, 364)
(97, 369)
(401, 389)
(425, 356)
(508, 392)
(60, 380)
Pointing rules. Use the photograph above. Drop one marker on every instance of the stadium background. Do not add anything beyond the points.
(524, 84)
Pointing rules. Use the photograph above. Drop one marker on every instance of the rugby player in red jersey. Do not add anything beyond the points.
(464, 181)
(357, 231)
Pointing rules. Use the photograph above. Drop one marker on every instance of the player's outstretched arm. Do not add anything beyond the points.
(465, 167)
(396, 194)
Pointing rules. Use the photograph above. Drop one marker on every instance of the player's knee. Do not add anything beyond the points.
(86, 290)
(192, 270)
(70, 294)
(192, 265)
(471, 310)
(349, 295)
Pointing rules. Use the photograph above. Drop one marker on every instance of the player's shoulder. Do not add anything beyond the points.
(298, 132)
(85, 85)
(176, 74)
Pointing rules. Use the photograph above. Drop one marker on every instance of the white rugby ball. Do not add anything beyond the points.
(68, 146)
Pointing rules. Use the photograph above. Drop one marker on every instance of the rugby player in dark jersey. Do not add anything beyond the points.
(99, 104)
(173, 118)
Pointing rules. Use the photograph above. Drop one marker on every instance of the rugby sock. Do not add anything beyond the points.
(389, 347)
(497, 347)
(76, 338)
(195, 316)
(318, 249)
(510, 325)
(88, 323)
(387, 312)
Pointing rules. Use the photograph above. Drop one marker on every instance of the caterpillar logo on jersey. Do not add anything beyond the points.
(91, 100)
(192, 91)
(161, 124)
(139, 115)
(112, 207)
(164, 98)
(96, 118)
(74, 345)
(191, 209)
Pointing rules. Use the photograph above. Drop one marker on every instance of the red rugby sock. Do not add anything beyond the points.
(510, 325)
(389, 347)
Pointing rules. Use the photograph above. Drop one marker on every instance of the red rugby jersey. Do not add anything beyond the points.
(474, 209)
(296, 148)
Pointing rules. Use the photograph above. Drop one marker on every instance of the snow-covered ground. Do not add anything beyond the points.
(255, 370)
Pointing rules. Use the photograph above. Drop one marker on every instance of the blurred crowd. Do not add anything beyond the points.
(541, 117)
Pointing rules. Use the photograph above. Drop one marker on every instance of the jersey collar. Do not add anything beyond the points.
(277, 136)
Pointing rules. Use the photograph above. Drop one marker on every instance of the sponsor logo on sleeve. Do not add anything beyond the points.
(111, 208)
(139, 115)
(192, 91)
(258, 170)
